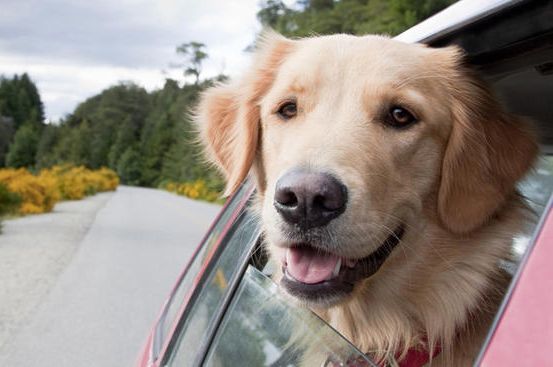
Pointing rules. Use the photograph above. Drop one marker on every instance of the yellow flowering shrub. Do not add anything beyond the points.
(109, 179)
(194, 190)
(39, 193)
(74, 183)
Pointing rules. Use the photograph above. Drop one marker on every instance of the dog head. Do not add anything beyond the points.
(353, 142)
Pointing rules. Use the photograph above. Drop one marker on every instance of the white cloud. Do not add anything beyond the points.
(82, 47)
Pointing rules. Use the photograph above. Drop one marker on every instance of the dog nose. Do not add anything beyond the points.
(309, 199)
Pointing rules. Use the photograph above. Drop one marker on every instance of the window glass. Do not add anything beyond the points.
(536, 189)
(262, 328)
(256, 328)
(204, 250)
(235, 250)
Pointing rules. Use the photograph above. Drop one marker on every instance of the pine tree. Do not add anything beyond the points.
(46, 153)
(129, 167)
(6, 135)
(23, 150)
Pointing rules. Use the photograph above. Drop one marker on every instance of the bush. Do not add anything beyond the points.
(39, 193)
(194, 190)
(74, 183)
(9, 201)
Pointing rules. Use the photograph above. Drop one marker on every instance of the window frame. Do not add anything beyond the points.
(166, 347)
(515, 280)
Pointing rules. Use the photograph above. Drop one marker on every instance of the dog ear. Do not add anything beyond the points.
(488, 151)
(228, 115)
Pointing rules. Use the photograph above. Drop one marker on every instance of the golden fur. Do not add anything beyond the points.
(450, 179)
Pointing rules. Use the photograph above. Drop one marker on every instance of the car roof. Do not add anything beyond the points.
(454, 17)
(510, 43)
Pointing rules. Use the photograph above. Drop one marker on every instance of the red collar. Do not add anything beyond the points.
(414, 358)
(417, 357)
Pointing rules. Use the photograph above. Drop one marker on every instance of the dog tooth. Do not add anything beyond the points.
(285, 257)
(337, 268)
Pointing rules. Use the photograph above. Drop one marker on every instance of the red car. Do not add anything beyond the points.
(224, 309)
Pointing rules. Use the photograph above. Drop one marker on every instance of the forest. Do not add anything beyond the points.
(147, 138)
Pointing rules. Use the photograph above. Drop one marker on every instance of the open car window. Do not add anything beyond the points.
(200, 318)
(186, 283)
(237, 312)
(262, 328)
(239, 317)
(536, 189)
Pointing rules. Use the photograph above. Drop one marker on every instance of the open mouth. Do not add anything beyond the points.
(314, 275)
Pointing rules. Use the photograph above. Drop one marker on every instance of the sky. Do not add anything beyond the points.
(73, 49)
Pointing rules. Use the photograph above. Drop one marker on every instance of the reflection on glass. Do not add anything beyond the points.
(536, 189)
(191, 335)
(261, 328)
(185, 284)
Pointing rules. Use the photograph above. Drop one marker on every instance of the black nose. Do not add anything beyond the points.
(309, 199)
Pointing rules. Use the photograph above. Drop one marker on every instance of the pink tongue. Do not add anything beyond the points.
(308, 265)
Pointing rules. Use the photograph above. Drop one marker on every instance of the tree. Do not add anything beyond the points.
(6, 135)
(30, 89)
(22, 151)
(347, 16)
(194, 54)
(125, 137)
(46, 149)
(271, 12)
(79, 145)
(129, 167)
(20, 105)
(20, 100)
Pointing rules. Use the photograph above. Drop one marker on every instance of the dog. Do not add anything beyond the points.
(385, 176)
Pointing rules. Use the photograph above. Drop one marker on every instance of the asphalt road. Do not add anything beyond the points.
(104, 300)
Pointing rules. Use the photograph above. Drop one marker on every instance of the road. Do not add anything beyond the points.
(104, 292)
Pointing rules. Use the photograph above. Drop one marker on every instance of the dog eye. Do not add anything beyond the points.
(399, 117)
(288, 110)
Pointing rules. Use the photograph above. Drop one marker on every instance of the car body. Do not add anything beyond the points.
(225, 310)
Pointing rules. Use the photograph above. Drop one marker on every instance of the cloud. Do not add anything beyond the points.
(74, 49)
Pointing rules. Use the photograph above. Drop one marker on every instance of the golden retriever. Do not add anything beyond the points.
(385, 176)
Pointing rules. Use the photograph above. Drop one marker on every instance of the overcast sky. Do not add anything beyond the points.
(74, 49)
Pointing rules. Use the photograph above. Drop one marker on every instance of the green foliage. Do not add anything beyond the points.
(129, 167)
(126, 136)
(20, 100)
(310, 17)
(46, 154)
(194, 54)
(7, 131)
(146, 138)
(23, 149)
(20, 105)
(9, 201)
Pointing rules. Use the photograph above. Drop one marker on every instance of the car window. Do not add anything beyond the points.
(262, 328)
(203, 253)
(536, 189)
(200, 317)
(248, 330)
(537, 186)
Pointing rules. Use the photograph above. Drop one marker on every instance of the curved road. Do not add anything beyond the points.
(105, 284)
